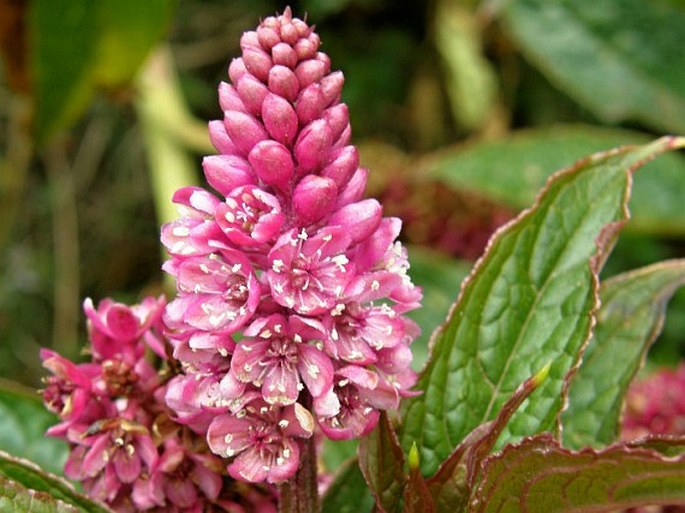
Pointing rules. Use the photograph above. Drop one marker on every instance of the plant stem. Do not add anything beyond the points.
(301, 493)
(66, 249)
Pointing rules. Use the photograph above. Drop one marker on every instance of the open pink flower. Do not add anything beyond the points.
(277, 355)
(310, 274)
(218, 293)
(263, 440)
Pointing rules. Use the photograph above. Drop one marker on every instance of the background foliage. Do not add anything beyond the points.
(461, 109)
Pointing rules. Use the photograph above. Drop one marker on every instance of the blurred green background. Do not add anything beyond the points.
(461, 109)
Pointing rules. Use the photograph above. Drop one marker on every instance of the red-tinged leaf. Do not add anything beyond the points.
(417, 497)
(531, 299)
(382, 463)
(451, 485)
(539, 476)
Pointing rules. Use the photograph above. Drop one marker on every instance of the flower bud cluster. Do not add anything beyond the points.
(125, 449)
(292, 288)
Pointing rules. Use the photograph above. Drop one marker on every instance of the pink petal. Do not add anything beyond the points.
(316, 369)
(280, 385)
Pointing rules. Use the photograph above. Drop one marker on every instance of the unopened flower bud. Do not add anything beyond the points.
(312, 198)
(331, 87)
(283, 82)
(272, 163)
(338, 118)
(313, 144)
(310, 104)
(257, 62)
(220, 139)
(229, 99)
(236, 69)
(359, 220)
(226, 172)
(312, 70)
(344, 163)
(252, 92)
(284, 54)
(279, 118)
(244, 130)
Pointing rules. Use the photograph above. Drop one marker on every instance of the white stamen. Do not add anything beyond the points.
(180, 231)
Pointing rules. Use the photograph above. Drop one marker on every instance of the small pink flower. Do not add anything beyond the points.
(218, 293)
(310, 274)
(250, 216)
(276, 355)
(194, 232)
(262, 438)
(357, 332)
(114, 328)
(358, 395)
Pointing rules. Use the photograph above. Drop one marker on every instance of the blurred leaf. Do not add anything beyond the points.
(82, 44)
(23, 422)
(348, 493)
(439, 276)
(529, 301)
(513, 170)
(381, 461)
(129, 29)
(631, 317)
(623, 60)
(539, 476)
(336, 452)
(471, 83)
(31, 477)
(62, 44)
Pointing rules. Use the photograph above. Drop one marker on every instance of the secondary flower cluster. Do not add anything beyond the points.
(291, 287)
(125, 449)
(656, 405)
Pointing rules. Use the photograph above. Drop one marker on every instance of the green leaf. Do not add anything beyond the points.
(23, 422)
(439, 276)
(62, 52)
(348, 493)
(539, 476)
(513, 170)
(529, 301)
(381, 461)
(452, 484)
(129, 29)
(31, 477)
(622, 60)
(85, 44)
(630, 319)
(14, 498)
